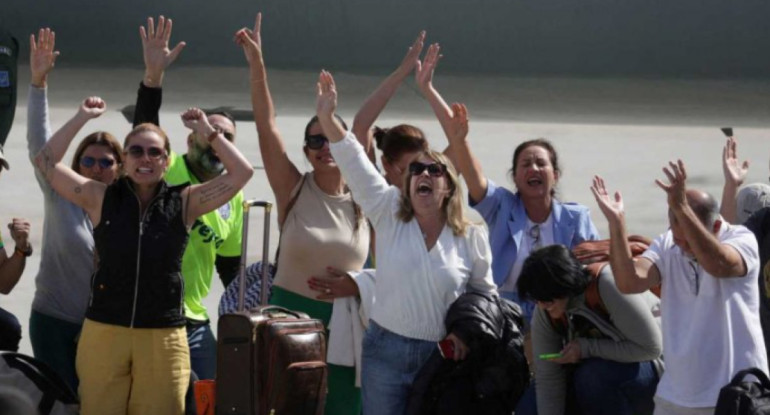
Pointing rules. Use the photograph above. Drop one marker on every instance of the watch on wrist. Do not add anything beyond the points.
(26, 252)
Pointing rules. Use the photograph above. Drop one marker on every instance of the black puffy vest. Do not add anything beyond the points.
(138, 280)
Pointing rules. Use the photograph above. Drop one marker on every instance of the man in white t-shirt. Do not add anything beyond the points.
(710, 301)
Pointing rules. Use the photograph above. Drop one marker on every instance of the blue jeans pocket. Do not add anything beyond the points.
(372, 338)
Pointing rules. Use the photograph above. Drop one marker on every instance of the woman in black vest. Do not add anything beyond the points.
(132, 355)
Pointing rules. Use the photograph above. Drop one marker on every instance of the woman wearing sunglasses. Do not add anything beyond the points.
(132, 354)
(398, 146)
(63, 280)
(320, 224)
(523, 221)
(428, 254)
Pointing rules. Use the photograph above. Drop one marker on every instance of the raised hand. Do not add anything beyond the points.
(251, 41)
(42, 56)
(19, 228)
(734, 171)
(675, 189)
(196, 120)
(92, 107)
(457, 128)
(326, 101)
(423, 73)
(612, 208)
(157, 55)
(412, 57)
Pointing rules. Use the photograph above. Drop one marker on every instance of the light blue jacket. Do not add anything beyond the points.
(504, 213)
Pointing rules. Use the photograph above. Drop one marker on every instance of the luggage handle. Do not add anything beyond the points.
(758, 373)
(268, 206)
(270, 308)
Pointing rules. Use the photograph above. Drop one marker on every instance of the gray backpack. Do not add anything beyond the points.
(26, 380)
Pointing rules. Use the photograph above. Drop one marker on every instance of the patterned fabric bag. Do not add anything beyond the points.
(229, 301)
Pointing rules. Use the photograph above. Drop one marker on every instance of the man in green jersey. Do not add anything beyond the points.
(215, 238)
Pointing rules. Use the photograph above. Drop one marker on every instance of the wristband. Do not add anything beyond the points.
(212, 136)
(26, 253)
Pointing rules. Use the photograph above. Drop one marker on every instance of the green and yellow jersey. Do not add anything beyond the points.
(215, 233)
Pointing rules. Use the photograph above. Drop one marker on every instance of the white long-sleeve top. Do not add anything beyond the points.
(414, 286)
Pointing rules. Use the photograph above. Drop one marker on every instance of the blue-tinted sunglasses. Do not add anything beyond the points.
(88, 162)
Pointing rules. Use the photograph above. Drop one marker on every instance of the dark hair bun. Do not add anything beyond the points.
(379, 136)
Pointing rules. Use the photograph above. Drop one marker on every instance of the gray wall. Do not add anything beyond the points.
(681, 38)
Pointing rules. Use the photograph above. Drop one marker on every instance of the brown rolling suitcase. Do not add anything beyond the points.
(270, 360)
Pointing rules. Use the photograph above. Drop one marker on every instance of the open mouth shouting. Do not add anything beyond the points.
(535, 181)
(424, 188)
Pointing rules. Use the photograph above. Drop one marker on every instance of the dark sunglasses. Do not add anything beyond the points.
(316, 141)
(137, 151)
(434, 169)
(88, 162)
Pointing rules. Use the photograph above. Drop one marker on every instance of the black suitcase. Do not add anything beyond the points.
(270, 360)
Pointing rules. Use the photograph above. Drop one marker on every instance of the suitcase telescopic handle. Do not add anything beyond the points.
(247, 205)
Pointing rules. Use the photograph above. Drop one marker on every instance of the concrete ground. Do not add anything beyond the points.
(624, 130)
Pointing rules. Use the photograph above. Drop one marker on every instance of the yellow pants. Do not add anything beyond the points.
(132, 371)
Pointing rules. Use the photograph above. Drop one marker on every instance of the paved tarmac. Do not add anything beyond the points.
(624, 130)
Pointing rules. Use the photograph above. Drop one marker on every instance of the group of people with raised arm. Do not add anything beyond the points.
(134, 232)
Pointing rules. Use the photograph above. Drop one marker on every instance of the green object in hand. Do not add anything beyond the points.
(549, 356)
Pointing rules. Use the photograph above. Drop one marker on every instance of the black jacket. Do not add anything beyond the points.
(138, 280)
(495, 373)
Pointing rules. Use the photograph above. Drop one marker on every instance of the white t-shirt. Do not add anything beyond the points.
(710, 325)
(542, 236)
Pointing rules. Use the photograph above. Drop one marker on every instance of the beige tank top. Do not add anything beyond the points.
(318, 233)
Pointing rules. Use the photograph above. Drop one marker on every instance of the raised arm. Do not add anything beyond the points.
(11, 267)
(469, 167)
(84, 192)
(630, 276)
(718, 259)
(157, 57)
(90, 108)
(326, 104)
(424, 77)
(735, 173)
(205, 197)
(282, 174)
(42, 57)
(377, 100)
(368, 186)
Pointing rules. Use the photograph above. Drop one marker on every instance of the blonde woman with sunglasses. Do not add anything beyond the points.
(133, 356)
(428, 254)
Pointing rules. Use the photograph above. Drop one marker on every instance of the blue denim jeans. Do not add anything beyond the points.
(600, 386)
(203, 349)
(390, 364)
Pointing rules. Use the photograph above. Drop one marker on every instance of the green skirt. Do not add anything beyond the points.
(344, 397)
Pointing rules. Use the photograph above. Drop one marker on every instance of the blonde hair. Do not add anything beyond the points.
(453, 204)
